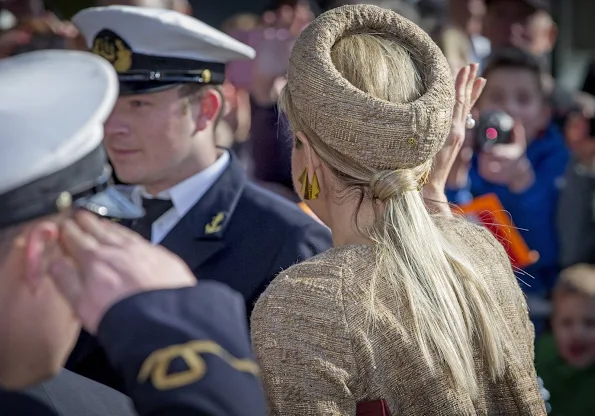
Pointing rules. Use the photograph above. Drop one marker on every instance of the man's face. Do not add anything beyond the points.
(37, 327)
(149, 138)
(514, 23)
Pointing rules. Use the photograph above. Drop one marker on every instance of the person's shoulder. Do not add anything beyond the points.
(552, 143)
(332, 263)
(321, 275)
(312, 288)
(458, 224)
(277, 208)
(475, 240)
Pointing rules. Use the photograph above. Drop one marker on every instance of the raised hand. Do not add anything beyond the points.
(468, 89)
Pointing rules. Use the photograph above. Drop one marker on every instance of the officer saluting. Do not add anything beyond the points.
(142, 302)
(161, 138)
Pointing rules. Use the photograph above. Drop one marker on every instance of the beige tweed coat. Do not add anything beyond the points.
(318, 357)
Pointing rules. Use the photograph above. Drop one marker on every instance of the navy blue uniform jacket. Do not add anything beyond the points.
(180, 352)
(239, 234)
(243, 235)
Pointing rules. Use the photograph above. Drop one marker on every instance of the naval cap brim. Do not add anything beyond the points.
(85, 184)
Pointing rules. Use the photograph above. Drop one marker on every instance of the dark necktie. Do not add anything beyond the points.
(154, 208)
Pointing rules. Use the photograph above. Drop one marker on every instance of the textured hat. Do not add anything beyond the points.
(374, 132)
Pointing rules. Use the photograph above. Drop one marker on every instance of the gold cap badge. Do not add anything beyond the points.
(114, 50)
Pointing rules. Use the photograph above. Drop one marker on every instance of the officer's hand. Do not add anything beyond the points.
(105, 262)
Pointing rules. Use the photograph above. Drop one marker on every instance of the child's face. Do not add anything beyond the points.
(516, 91)
(574, 329)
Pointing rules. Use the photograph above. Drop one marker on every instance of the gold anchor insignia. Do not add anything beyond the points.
(215, 224)
(206, 76)
(115, 51)
(157, 365)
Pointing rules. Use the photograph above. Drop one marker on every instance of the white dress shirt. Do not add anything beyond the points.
(184, 196)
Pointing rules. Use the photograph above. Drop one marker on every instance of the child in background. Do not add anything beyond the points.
(524, 174)
(565, 360)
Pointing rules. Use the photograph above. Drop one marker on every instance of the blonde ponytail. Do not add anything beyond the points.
(449, 303)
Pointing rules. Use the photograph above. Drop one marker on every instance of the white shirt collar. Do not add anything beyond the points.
(187, 193)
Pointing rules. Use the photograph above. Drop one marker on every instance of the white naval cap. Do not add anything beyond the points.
(153, 49)
(53, 105)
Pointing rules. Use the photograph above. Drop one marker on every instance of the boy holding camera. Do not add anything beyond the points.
(522, 166)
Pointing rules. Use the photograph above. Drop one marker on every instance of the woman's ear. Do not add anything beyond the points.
(311, 158)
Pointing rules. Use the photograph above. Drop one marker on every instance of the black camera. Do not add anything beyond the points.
(493, 127)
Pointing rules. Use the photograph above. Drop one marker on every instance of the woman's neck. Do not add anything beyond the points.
(342, 221)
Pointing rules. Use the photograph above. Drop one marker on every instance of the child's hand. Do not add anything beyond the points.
(507, 164)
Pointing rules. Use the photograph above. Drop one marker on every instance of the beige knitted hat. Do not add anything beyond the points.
(374, 132)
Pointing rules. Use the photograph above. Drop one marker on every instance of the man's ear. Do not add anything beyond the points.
(208, 108)
(40, 241)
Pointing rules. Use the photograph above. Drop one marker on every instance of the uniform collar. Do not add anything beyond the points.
(187, 193)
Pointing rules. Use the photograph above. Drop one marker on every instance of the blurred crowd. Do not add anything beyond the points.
(544, 176)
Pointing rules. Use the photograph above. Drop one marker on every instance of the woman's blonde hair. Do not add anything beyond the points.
(452, 307)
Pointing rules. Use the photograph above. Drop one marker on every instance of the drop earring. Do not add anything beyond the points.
(309, 190)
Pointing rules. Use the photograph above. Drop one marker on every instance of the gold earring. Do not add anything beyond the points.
(309, 190)
(304, 182)
(314, 188)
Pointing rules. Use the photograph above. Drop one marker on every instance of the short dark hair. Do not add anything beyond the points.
(516, 58)
(194, 91)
